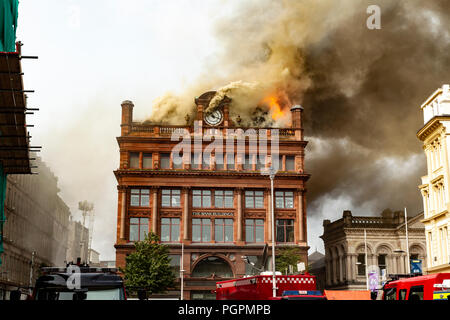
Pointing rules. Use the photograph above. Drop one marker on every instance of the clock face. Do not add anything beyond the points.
(214, 118)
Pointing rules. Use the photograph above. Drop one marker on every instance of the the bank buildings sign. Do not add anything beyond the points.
(213, 214)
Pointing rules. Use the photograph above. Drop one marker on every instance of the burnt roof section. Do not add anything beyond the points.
(14, 138)
(206, 97)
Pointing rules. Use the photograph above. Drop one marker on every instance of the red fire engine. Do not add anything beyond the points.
(429, 287)
(260, 288)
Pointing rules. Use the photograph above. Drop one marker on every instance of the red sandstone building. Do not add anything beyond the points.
(219, 210)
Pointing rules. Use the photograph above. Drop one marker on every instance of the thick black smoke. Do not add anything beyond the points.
(361, 88)
(367, 88)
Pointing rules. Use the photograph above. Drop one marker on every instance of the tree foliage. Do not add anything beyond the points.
(149, 266)
(285, 258)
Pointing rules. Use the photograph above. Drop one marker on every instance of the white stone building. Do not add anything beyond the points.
(435, 136)
(345, 250)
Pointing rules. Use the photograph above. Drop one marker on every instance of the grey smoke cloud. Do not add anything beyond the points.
(361, 89)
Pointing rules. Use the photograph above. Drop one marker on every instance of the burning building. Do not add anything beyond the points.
(214, 202)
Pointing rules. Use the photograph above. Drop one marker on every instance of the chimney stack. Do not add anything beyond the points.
(347, 216)
(127, 117)
(297, 113)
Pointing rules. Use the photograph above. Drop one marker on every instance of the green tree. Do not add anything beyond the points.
(285, 258)
(149, 266)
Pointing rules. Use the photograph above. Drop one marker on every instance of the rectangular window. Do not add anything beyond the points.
(230, 162)
(201, 230)
(164, 161)
(147, 161)
(218, 158)
(177, 161)
(361, 264)
(390, 294)
(285, 230)
(140, 197)
(260, 162)
(175, 261)
(290, 163)
(201, 198)
(284, 199)
(195, 160)
(223, 230)
(254, 199)
(223, 198)
(416, 293)
(382, 261)
(138, 229)
(254, 230)
(206, 164)
(170, 229)
(170, 198)
(134, 160)
(248, 162)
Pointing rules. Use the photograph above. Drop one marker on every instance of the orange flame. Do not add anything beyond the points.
(274, 106)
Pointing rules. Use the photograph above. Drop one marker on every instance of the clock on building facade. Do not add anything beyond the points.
(214, 118)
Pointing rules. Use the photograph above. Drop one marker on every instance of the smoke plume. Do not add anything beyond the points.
(361, 89)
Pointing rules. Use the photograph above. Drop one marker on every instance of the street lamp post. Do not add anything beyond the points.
(182, 272)
(274, 286)
(408, 268)
(365, 259)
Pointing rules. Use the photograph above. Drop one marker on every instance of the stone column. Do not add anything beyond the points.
(333, 270)
(239, 215)
(355, 268)
(349, 276)
(401, 265)
(155, 211)
(341, 271)
(389, 264)
(329, 272)
(123, 213)
(394, 264)
(186, 214)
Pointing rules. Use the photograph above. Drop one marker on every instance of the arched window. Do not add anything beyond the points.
(212, 266)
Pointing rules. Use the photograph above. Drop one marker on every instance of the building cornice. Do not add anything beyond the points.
(437, 179)
(434, 217)
(166, 139)
(215, 246)
(431, 126)
(431, 98)
(195, 173)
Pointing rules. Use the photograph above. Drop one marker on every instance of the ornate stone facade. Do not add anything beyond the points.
(436, 184)
(386, 247)
(221, 212)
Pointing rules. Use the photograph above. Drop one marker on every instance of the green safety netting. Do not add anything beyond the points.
(8, 24)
